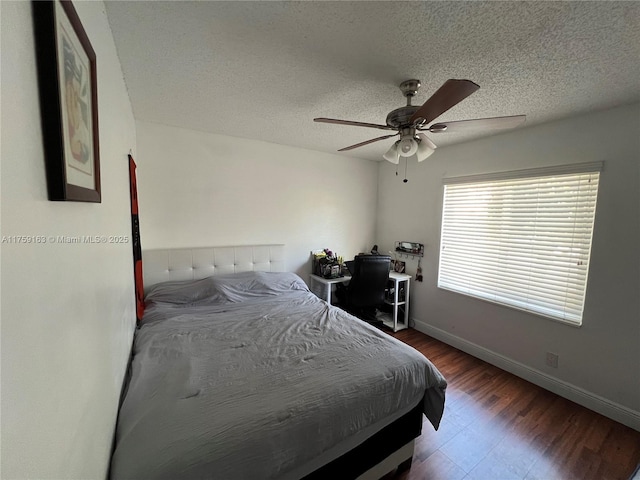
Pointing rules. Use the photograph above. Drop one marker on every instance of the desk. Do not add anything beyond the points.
(327, 282)
(392, 321)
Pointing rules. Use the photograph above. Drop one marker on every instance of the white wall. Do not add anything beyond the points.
(67, 310)
(599, 363)
(199, 189)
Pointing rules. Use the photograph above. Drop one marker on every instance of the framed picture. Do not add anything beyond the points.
(68, 102)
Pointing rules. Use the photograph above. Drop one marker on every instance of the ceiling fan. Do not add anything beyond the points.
(411, 121)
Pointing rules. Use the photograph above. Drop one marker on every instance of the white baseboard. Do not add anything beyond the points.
(613, 410)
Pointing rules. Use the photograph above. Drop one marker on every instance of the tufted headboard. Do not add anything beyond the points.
(164, 265)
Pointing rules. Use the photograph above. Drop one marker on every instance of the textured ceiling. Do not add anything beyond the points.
(265, 69)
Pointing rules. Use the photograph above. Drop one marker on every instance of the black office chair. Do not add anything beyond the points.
(365, 291)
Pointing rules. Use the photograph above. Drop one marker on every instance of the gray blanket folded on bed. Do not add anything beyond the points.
(254, 377)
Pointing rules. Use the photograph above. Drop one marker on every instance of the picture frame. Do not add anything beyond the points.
(67, 80)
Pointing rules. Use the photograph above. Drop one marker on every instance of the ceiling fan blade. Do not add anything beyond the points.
(354, 124)
(361, 144)
(478, 124)
(449, 94)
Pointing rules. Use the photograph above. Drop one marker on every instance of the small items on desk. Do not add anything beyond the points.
(399, 266)
(326, 264)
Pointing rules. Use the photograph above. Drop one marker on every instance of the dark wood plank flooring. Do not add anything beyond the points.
(498, 426)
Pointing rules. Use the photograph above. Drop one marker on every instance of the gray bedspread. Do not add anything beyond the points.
(254, 377)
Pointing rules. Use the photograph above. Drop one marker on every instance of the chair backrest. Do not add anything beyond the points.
(368, 280)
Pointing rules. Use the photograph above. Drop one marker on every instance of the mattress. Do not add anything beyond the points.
(252, 376)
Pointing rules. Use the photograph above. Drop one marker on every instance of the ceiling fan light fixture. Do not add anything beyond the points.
(407, 147)
(425, 148)
(392, 154)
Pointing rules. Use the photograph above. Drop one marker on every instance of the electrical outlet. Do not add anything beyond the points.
(552, 360)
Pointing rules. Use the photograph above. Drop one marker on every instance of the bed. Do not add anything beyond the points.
(239, 371)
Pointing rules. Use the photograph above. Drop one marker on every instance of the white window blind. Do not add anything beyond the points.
(523, 241)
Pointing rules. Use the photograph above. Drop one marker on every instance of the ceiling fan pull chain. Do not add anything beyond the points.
(406, 162)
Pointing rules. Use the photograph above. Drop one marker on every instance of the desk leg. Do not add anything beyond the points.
(396, 288)
(406, 304)
(329, 293)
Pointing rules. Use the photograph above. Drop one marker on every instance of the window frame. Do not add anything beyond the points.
(568, 316)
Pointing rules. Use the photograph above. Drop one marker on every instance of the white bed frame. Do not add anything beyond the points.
(163, 265)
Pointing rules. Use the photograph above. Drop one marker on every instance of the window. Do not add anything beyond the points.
(521, 239)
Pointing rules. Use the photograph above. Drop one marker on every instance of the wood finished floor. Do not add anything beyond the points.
(497, 426)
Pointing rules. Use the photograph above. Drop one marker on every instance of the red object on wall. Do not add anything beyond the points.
(135, 237)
